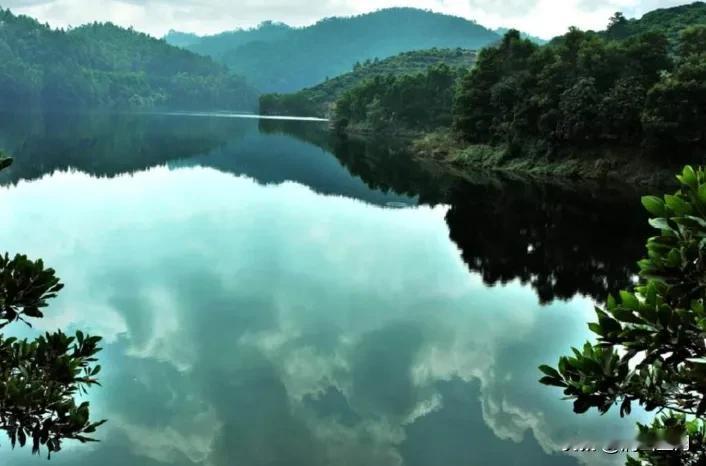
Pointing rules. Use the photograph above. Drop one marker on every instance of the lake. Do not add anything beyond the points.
(270, 294)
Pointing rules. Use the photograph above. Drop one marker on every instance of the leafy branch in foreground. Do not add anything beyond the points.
(39, 379)
(651, 342)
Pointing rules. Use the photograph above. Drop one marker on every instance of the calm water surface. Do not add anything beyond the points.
(270, 295)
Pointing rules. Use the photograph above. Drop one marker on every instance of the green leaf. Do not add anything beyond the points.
(654, 205)
(660, 223)
(596, 328)
(674, 258)
(677, 205)
(629, 300)
(581, 406)
(5, 162)
(688, 177)
(700, 221)
(546, 380)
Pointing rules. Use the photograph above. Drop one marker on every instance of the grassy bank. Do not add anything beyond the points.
(613, 163)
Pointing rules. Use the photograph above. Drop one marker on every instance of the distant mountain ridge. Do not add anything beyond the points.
(277, 58)
(218, 45)
(181, 39)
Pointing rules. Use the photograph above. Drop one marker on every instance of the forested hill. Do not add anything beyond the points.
(584, 95)
(668, 21)
(286, 59)
(318, 100)
(105, 66)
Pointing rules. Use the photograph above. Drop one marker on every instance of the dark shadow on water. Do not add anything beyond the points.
(561, 238)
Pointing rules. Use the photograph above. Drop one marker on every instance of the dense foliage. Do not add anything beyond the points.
(102, 65)
(669, 21)
(651, 342)
(276, 58)
(584, 90)
(396, 103)
(319, 100)
(39, 379)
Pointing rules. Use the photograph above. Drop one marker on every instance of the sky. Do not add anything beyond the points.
(543, 18)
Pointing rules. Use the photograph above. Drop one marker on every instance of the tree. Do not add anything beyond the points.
(478, 117)
(692, 41)
(620, 111)
(40, 378)
(618, 26)
(675, 109)
(420, 101)
(651, 341)
(579, 110)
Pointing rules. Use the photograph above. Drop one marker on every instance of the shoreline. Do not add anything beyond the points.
(606, 163)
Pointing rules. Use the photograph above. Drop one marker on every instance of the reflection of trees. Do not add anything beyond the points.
(561, 241)
(39, 378)
(383, 165)
(105, 144)
(558, 238)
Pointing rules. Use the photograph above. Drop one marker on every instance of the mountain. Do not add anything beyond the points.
(105, 66)
(670, 21)
(277, 58)
(181, 39)
(319, 100)
(218, 45)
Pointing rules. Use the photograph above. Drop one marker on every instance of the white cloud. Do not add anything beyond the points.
(544, 18)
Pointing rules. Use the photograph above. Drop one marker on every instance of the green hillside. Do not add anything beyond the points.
(640, 92)
(276, 58)
(319, 100)
(105, 66)
(669, 21)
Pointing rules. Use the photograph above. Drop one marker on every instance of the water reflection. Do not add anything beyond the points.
(562, 239)
(111, 144)
(103, 144)
(264, 324)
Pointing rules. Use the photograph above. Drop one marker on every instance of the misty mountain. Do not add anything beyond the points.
(277, 58)
(181, 39)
